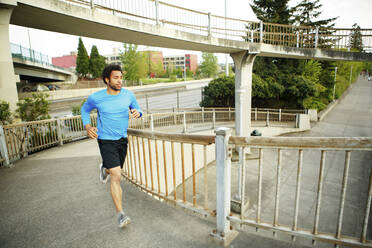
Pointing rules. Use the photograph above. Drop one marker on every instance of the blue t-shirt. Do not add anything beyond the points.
(113, 112)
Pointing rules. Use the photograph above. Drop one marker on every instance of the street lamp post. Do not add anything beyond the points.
(226, 64)
(334, 86)
(184, 67)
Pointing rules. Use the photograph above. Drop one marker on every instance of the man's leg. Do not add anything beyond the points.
(116, 191)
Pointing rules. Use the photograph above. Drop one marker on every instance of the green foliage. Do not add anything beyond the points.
(356, 42)
(274, 11)
(82, 60)
(96, 63)
(219, 93)
(307, 11)
(135, 64)
(33, 108)
(209, 67)
(76, 110)
(5, 113)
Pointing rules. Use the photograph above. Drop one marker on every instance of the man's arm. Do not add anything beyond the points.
(134, 107)
(85, 116)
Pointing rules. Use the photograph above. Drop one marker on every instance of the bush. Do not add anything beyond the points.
(220, 92)
(33, 108)
(5, 114)
(76, 110)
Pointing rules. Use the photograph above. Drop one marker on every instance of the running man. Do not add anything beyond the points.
(113, 105)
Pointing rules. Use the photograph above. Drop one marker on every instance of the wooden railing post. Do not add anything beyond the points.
(3, 148)
(223, 234)
(59, 132)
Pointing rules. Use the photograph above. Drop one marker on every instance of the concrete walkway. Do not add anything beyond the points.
(54, 198)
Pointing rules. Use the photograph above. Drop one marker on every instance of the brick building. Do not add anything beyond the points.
(178, 61)
(66, 61)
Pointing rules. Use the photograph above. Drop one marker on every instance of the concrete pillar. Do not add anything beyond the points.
(8, 88)
(243, 91)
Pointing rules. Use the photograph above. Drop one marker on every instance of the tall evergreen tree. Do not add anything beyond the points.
(356, 42)
(82, 60)
(307, 12)
(274, 11)
(96, 63)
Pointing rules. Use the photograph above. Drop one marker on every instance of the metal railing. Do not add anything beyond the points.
(28, 54)
(261, 206)
(202, 23)
(29, 137)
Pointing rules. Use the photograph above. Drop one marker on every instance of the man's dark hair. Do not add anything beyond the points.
(108, 69)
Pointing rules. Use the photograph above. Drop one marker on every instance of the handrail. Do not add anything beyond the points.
(203, 23)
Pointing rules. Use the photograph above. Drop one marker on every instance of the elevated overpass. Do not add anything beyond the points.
(32, 66)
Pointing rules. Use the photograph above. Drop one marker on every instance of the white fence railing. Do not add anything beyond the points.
(202, 23)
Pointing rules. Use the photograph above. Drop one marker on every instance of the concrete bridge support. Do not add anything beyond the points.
(243, 102)
(8, 88)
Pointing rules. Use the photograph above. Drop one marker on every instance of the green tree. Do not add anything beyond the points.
(307, 13)
(220, 92)
(273, 11)
(82, 60)
(134, 63)
(5, 113)
(356, 42)
(33, 108)
(209, 67)
(96, 63)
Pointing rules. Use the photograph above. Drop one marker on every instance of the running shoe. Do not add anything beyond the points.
(123, 220)
(103, 176)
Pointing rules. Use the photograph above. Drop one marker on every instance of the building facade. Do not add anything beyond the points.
(178, 62)
(66, 61)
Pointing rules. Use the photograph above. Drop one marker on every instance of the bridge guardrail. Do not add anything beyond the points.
(188, 20)
(300, 154)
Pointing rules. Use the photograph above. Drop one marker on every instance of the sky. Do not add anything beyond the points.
(58, 44)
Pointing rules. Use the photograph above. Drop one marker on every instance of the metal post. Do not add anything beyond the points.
(202, 109)
(297, 120)
(334, 86)
(59, 132)
(223, 185)
(298, 40)
(174, 116)
(209, 25)
(226, 64)
(147, 104)
(214, 119)
(351, 73)
(267, 118)
(157, 11)
(184, 122)
(261, 31)
(255, 114)
(229, 113)
(92, 4)
(178, 101)
(184, 67)
(151, 123)
(316, 37)
(3, 148)
(280, 114)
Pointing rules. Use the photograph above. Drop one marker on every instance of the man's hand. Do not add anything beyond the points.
(91, 131)
(135, 113)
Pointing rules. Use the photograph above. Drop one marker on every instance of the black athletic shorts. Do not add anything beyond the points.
(113, 152)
